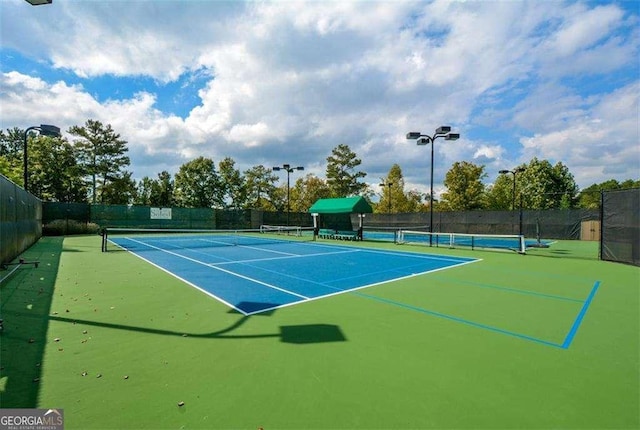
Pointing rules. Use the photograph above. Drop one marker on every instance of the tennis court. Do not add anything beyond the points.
(400, 337)
(254, 272)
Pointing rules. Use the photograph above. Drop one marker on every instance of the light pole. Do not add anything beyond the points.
(388, 184)
(45, 130)
(425, 139)
(289, 169)
(514, 172)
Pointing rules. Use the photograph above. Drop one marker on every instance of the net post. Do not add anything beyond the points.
(103, 233)
(522, 244)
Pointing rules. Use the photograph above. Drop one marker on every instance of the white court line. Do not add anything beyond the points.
(250, 247)
(220, 269)
(350, 290)
(255, 260)
(182, 279)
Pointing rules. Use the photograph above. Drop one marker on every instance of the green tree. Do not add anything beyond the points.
(260, 188)
(143, 191)
(197, 184)
(234, 192)
(417, 201)
(155, 192)
(10, 169)
(162, 190)
(11, 143)
(101, 154)
(543, 186)
(11, 155)
(589, 198)
(120, 190)
(55, 175)
(394, 198)
(465, 190)
(306, 191)
(278, 198)
(341, 175)
(500, 194)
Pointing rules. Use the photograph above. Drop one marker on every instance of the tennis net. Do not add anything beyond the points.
(514, 242)
(284, 229)
(175, 239)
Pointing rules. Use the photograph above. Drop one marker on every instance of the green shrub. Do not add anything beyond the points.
(61, 227)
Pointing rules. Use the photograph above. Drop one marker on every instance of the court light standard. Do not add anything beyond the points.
(388, 184)
(45, 130)
(514, 172)
(289, 169)
(425, 139)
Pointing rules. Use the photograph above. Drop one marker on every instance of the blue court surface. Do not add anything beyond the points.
(257, 277)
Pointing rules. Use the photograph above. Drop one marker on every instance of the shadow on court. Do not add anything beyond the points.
(25, 305)
(296, 334)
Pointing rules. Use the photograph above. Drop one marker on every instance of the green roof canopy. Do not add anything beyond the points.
(341, 205)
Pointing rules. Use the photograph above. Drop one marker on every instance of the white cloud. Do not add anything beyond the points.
(602, 142)
(583, 28)
(291, 80)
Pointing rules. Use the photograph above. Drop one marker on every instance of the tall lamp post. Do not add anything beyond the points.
(515, 172)
(425, 139)
(289, 169)
(45, 130)
(388, 184)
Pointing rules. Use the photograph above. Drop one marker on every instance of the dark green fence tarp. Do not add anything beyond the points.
(620, 230)
(140, 217)
(20, 220)
(548, 224)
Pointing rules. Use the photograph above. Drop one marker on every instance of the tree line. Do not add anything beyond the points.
(92, 167)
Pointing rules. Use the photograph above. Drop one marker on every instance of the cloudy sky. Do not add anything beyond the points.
(286, 81)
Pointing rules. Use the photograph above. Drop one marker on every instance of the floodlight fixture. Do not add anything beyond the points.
(514, 172)
(49, 130)
(39, 2)
(425, 139)
(289, 170)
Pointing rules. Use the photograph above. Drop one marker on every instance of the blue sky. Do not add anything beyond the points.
(286, 81)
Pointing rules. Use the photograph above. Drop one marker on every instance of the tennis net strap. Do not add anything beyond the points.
(284, 229)
(513, 242)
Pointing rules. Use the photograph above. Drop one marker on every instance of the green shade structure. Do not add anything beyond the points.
(341, 205)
